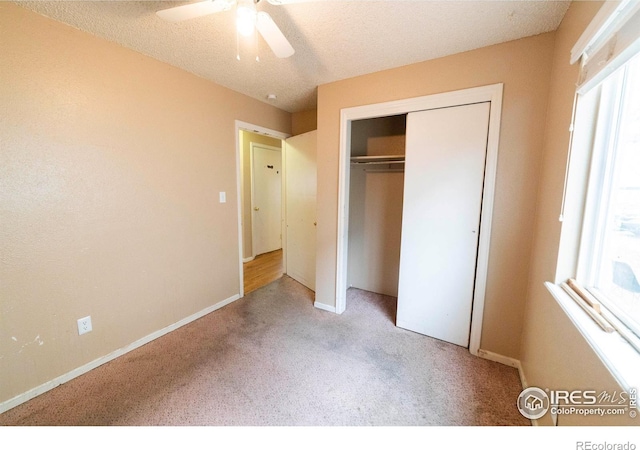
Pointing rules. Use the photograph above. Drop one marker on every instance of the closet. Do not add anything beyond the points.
(415, 209)
(375, 203)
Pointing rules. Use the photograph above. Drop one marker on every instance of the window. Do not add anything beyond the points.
(609, 261)
(597, 279)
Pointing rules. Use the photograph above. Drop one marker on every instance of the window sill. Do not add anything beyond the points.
(620, 358)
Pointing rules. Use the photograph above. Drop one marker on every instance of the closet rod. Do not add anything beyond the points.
(382, 170)
(382, 159)
(366, 163)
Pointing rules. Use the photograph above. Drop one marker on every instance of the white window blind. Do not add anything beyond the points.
(610, 40)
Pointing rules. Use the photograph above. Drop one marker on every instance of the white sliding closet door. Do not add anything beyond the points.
(444, 175)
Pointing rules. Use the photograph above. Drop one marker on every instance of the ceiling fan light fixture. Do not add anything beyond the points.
(246, 15)
(248, 21)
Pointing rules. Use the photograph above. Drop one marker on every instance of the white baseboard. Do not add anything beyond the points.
(324, 307)
(507, 361)
(250, 258)
(523, 379)
(21, 398)
(512, 362)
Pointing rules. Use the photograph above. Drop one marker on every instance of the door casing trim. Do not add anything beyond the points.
(490, 93)
(245, 126)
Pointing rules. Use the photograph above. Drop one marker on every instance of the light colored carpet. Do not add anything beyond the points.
(271, 358)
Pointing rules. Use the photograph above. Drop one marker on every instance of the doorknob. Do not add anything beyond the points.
(255, 208)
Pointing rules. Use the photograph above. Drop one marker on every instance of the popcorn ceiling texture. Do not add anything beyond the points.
(333, 40)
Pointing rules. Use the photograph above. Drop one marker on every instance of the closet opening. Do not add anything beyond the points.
(408, 152)
(375, 204)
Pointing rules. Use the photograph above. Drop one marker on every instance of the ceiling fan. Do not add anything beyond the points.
(248, 19)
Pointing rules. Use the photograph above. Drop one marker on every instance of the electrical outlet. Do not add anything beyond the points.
(84, 325)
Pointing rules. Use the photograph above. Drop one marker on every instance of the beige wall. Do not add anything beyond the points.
(111, 164)
(375, 227)
(246, 139)
(554, 355)
(524, 68)
(110, 168)
(381, 136)
(304, 121)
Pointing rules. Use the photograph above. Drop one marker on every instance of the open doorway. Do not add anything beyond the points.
(262, 206)
(296, 178)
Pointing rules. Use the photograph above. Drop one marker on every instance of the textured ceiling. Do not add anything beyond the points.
(333, 39)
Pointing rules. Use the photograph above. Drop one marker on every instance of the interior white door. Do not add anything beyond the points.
(301, 183)
(444, 175)
(266, 201)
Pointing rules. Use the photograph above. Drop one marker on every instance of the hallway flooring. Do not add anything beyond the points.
(262, 270)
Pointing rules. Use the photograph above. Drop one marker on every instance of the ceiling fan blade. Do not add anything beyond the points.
(274, 37)
(193, 10)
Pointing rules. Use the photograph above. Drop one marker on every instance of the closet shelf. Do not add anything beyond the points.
(385, 159)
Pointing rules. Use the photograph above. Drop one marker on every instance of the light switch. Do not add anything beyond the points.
(223, 197)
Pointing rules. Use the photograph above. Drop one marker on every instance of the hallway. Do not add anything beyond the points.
(262, 270)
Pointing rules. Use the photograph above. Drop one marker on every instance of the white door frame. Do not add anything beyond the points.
(245, 126)
(252, 146)
(491, 93)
